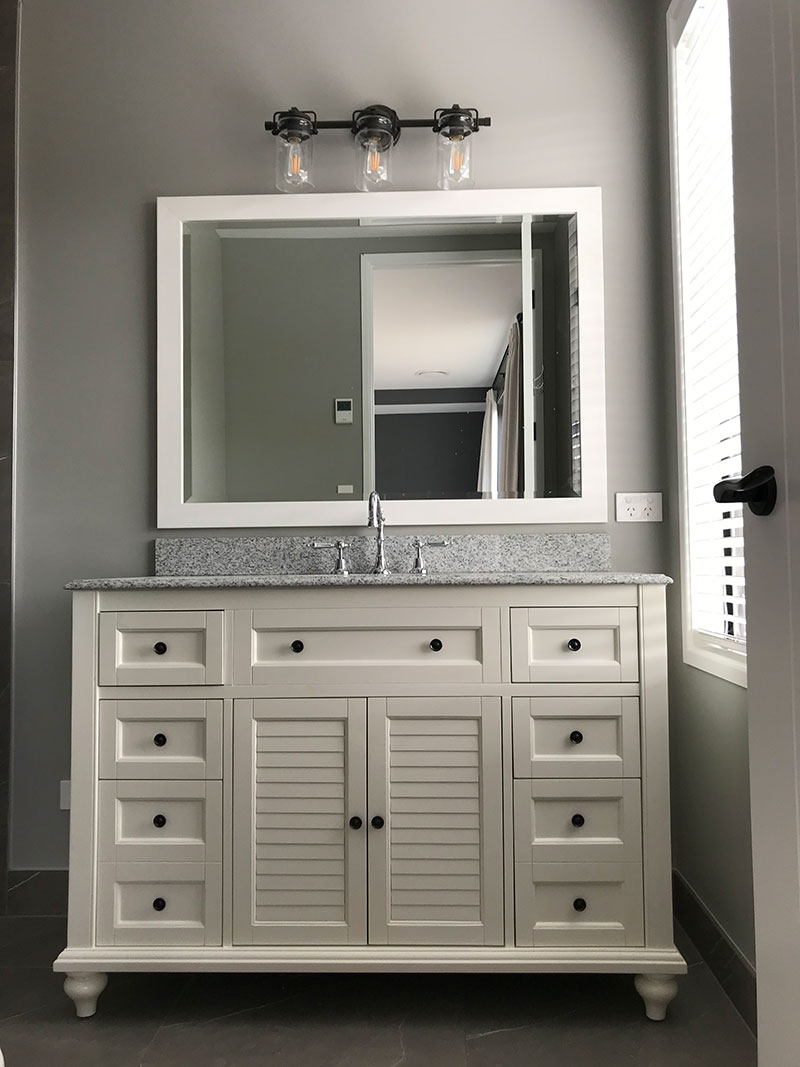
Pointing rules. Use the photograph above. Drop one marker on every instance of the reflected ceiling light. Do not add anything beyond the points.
(294, 130)
(431, 373)
(376, 130)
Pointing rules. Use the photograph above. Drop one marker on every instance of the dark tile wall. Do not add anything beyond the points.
(8, 59)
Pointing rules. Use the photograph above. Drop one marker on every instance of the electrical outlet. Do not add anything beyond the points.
(64, 789)
(639, 507)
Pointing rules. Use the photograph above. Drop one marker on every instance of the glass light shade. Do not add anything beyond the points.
(454, 161)
(293, 157)
(373, 164)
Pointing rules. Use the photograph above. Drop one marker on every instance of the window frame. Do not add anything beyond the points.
(707, 652)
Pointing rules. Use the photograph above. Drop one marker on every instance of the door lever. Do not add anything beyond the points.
(758, 490)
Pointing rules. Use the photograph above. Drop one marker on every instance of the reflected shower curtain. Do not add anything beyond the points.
(487, 467)
(509, 438)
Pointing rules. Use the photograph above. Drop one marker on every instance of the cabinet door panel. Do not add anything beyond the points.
(300, 869)
(435, 867)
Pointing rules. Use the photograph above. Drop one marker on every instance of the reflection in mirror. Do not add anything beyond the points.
(427, 358)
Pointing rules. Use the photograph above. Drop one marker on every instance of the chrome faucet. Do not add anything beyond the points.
(376, 520)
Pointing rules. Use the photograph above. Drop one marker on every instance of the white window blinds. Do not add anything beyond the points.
(713, 533)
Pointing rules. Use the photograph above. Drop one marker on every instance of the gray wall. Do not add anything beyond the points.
(122, 102)
(708, 716)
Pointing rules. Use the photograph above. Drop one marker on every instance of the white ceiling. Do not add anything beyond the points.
(452, 317)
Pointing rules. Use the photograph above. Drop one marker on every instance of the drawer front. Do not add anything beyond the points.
(368, 645)
(159, 904)
(576, 737)
(160, 821)
(161, 648)
(574, 645)
(595, 820)
(161, 739)
(579, 905)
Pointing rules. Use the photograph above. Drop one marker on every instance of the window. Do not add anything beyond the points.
(713, 569)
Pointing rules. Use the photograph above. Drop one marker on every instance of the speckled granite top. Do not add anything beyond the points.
(510, 553)
(300, 581)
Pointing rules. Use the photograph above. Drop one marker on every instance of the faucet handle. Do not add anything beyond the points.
(341, 566)
(419, 566)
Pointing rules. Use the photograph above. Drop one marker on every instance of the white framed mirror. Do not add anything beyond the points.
(444, 348)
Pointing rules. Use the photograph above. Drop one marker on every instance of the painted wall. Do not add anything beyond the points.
(708, 716)
(122, 102)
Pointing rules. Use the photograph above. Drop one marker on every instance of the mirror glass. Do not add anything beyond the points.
(431, 358)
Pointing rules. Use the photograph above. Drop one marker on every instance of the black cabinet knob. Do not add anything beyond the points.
(159, 904)
(160, 648)
(436, 645)
(160, 740)
(574, 644)
(297, 646)
(159, 821)
(579, 904)
(377, 822)
(356, 822)
(578, 820)
(576, 737)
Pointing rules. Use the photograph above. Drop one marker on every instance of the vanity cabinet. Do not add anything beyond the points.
(377, 777)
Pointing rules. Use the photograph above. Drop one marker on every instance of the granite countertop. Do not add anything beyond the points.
(301, 581)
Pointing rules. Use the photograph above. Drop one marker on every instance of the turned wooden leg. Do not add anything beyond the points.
(84, 989)
(656, 990)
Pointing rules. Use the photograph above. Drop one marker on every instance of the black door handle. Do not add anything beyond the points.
(758, 490)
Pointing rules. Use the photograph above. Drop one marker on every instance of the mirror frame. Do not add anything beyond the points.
(174, 211)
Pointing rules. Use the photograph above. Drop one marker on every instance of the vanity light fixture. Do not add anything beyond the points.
(294, 130)
(455, 126)
(376, 130)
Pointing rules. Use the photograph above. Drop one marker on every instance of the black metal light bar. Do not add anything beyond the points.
(347, 124)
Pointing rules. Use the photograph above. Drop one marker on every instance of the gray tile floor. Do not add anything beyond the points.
(167, 1020)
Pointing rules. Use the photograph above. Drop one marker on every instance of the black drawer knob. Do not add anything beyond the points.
(160, 648)
(160, 740)
(579, 904)
(578, 820)
(377, 822)
(574, 644)
(159, 821)
(297, 646)
(159, 904)
(436, 645)
(356, 823)
(576, 737)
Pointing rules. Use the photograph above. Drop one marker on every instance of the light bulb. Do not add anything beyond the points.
(373, 163)
(455, 161)
(293, 164)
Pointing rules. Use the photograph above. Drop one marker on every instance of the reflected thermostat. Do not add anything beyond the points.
(343, 410)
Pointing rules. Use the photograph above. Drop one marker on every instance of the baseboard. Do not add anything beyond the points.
(37, 893)
(726, 963)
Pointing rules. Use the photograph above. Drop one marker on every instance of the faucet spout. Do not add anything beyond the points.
(376, 520)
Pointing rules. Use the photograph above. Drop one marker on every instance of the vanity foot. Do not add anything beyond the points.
(84, 989)
(656, 990)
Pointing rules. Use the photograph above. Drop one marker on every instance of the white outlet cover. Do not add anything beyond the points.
(639, 507)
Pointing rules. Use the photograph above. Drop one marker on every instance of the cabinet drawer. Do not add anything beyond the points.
(162, 821)
(368, 645)
(567, 821)
(576, 737)
(574, 645)
(161, 648)
(161, 739)
(159, 904)
(579, 905)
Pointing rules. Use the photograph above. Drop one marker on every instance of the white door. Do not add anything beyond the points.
(435, 830)
(765, 49)
(299, 821)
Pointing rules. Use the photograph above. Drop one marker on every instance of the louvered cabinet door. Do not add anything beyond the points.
(299, 867)
(436, 863)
